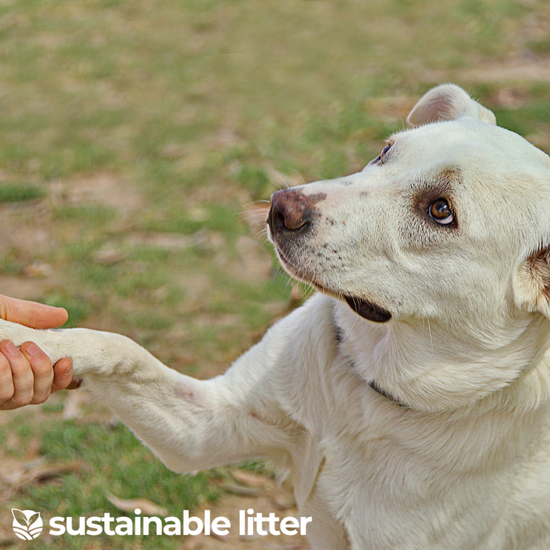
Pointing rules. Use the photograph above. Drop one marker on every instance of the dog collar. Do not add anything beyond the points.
(339, 336)
(384, 393)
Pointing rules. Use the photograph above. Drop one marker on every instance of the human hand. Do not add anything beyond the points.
(27, 375)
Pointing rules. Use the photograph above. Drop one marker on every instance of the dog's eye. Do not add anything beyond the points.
(440, 212)
(382, 154)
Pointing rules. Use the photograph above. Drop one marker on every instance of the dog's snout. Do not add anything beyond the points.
(292, 210)
(288, 211)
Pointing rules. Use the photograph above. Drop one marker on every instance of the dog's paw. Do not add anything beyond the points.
(75, 383)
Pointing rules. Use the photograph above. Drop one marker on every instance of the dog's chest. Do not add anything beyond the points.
(390, 499)
(396, 481)
(398, 478)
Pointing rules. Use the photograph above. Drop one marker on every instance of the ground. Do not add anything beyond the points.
(139, 144)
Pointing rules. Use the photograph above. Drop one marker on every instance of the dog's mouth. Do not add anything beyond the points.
(363, 308)
(368, 310)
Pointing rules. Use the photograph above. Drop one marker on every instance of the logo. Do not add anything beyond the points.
(27, 524)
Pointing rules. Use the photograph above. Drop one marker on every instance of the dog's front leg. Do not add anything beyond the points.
(190, 424)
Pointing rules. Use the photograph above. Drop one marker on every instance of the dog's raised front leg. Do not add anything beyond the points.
(190, 424)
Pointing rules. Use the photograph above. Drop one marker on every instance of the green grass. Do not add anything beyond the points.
(117, 463)
(540, 46)
(210, 217)
(90, 213)
(148, 127)
(19, 192)
(77, 307)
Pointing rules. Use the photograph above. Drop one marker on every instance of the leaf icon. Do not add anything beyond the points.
(33, 517)
(27, 524)
(19, 517)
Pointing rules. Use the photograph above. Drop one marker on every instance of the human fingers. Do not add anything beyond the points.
(62, 374)
(31, 314)
(22, 375)
(42, 370)
(6, 384)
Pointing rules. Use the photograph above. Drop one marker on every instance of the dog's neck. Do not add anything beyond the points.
(425, 369)
(339, 336)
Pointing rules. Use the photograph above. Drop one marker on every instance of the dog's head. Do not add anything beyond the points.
(438, 251)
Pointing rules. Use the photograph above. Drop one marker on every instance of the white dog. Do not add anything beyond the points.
(411, 397)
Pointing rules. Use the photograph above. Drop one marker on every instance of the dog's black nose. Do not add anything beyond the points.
(291, 210)
(287, 211)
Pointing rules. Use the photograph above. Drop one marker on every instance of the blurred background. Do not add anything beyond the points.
(139, 143)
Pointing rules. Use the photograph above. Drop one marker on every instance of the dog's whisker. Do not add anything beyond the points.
(280, 186)
(257, 213)
(261, 233)
(258, 201)
(283, 181)
(299, 175)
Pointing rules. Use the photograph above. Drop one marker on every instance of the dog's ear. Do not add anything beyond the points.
(447, 102)
(532, 283)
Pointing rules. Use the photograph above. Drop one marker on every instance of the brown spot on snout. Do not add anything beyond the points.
(292, 210)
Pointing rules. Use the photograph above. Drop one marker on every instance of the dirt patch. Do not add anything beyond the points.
(23, 226)
(532, 69)
(26, 289)
(99, 188)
